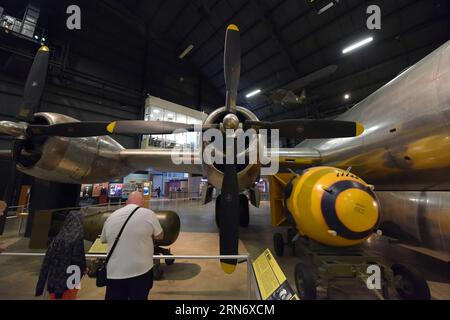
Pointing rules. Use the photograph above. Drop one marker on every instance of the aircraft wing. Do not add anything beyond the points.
(295, 158)
(161, 160)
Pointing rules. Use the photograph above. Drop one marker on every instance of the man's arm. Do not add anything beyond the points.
(159, 236)
(158, 232)
(103, 236)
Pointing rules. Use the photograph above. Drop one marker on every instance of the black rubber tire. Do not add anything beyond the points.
(305, 281)
(217, 210)
(244, 211)
(291, 233)
(416, 285)
(158, 272)
(278, 244)
(169, 261)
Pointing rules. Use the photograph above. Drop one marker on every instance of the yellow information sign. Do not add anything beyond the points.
(98, 247)
(272, 282)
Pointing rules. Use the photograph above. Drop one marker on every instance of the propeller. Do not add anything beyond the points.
(34, 86)
(229, 204)
(232, 66)
(310, 129)
(229, 208)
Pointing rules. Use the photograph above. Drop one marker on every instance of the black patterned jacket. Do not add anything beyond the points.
(66, 249)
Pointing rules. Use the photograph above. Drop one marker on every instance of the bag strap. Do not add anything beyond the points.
(118, 236)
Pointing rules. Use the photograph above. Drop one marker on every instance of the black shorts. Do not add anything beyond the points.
(136, 288)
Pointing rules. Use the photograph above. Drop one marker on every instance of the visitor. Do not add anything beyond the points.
(130, 267)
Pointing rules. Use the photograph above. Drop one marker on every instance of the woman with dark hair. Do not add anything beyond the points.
(64, 258)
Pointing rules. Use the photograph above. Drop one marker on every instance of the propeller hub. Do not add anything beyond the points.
(231, 121)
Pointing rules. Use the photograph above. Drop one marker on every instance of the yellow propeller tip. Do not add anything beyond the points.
(228, 268)
(359, 128)
(44, 48)
(233, 27)
(110, 127)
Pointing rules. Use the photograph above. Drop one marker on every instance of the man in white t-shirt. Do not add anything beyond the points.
(130, 268)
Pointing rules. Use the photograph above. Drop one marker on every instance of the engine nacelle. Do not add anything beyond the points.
(331, 206)
(247, 173)
(71, 160)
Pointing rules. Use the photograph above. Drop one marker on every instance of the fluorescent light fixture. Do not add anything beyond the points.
(155, 111)
(170, 115)
(253, 93)
(357, 45)
(186, 51)
(327, 7)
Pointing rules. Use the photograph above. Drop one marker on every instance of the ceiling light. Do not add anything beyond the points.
(253, 93)
(357, 45)
(347, 96)
(155, 111)
(328, 6)
(186, 51)
(170, 115)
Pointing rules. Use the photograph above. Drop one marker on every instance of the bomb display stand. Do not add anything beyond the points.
(321, 265)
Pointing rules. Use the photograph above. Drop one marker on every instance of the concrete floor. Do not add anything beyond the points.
(203, 279)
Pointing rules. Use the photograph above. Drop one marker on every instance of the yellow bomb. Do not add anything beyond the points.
(332, 206)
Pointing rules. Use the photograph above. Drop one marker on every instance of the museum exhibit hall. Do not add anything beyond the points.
(240, 152)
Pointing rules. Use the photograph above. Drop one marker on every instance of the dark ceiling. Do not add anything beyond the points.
(283, 40)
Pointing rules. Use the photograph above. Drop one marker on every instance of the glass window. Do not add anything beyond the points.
(189, 140)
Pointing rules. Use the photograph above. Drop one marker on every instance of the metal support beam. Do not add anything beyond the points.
(259, 7)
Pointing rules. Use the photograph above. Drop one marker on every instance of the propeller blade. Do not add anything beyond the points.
(310, 129)
(34, 85)
(232, 66)
(229, 213)
(70, 129)
(147, 127)
(13, 129)
(101, 128)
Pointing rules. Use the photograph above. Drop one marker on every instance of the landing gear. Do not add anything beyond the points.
(305, 281)
(278, 244)
(244, 212)
(322, 265)
(158, 271)
(411, 285)
(169, 261)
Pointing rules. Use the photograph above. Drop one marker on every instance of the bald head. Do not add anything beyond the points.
(136, 198)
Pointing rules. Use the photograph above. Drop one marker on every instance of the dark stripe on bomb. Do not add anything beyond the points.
(328, 205)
